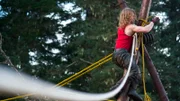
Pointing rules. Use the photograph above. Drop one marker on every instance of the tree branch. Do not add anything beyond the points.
(7, 59)
(85, 61)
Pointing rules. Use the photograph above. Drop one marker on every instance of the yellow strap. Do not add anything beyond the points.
(71, 78)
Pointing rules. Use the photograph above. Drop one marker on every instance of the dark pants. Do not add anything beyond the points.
(121, 57)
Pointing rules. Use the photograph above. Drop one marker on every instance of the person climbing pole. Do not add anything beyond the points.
(121, 54)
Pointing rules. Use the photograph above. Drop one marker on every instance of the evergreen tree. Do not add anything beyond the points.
(167, 44)
(31, 30)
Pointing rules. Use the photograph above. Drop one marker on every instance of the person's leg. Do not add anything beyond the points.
(122, 95)
(133, 79)
(122, 58)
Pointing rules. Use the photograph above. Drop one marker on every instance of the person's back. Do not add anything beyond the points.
(123, 40)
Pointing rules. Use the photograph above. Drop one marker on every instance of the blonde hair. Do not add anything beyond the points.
(127, 16)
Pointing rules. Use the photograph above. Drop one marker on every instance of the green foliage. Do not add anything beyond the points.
(166, 53)
(33, 26)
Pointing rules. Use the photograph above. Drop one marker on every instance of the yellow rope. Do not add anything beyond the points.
(17, 97)
(85, 69)
(71, 78)
(146, 96)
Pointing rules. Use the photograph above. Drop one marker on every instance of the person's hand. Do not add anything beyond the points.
(155, 20)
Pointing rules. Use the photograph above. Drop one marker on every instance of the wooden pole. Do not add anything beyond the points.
(155, 78)
(122, 4)
(145, 7)
(144, 12)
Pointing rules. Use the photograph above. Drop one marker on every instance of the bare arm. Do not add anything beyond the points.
(143, 29)
(131, 29)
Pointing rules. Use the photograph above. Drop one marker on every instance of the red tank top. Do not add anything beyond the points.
(123, 40)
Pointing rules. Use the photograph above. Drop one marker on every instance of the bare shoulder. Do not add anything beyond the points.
(131, 26)
(129, 29)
